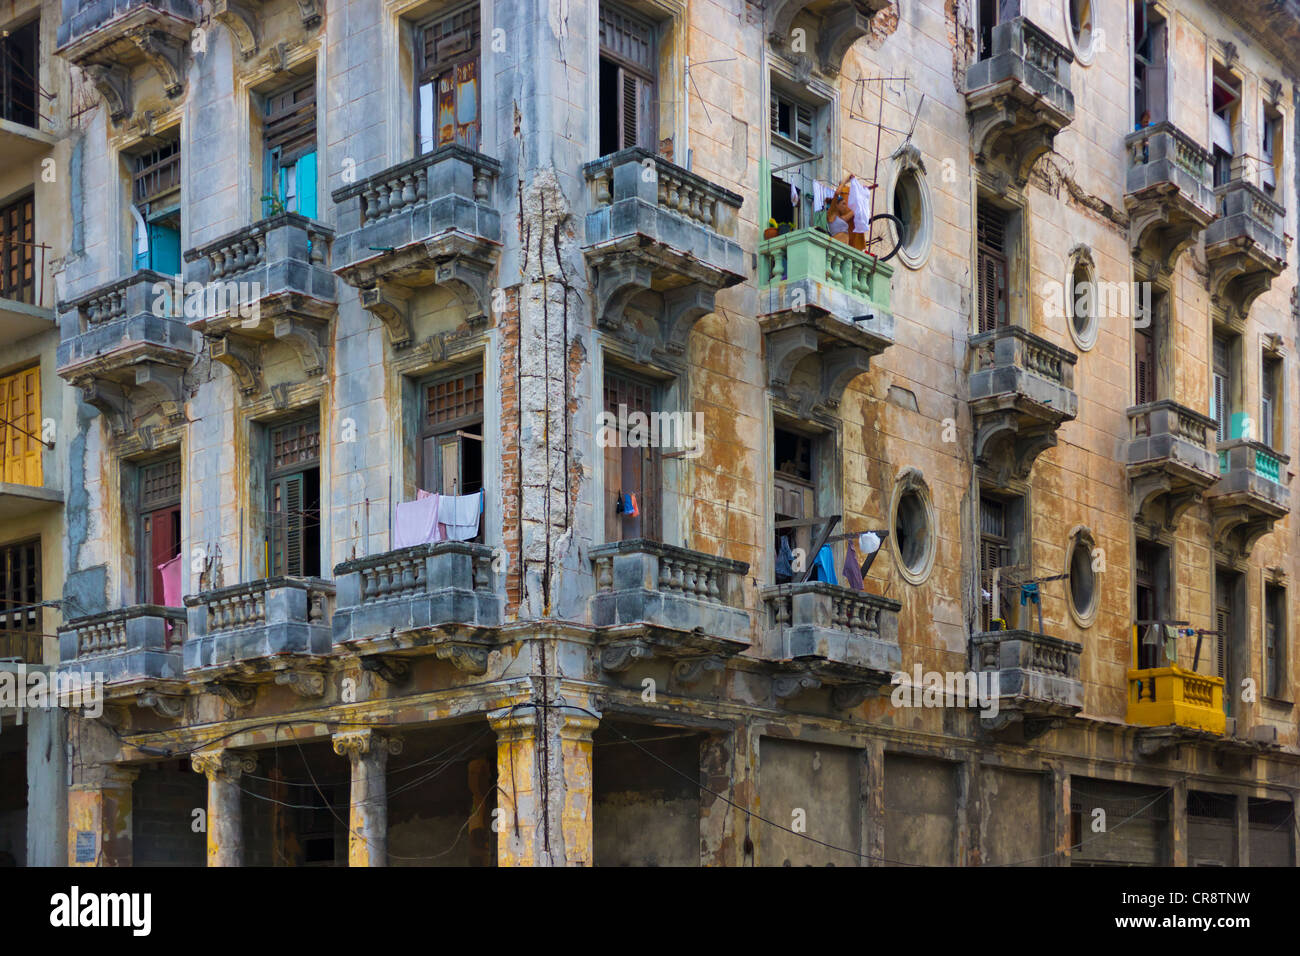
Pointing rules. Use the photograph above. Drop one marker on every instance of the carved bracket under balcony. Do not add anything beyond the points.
(114, 85)
(673, 313)
(168, 706)
(1007, 133)
(390, 669)
(235, 694)
(393, 310)
(1161, 227)
(1008, 448)
(242, 23)
(242, 358)
(848, 690)
(1245, 247)
(308, 683)
(835, 351)
(131, 393)
(694, 656)
(843, 23)
(1238, 528)
(1160, 500)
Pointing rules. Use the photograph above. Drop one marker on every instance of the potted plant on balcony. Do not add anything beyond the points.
(771, 232)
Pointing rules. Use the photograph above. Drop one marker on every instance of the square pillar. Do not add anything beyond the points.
(368, 753)
(223, 768)
(99, 817)
(1178, 823)
(516, 730)
(1060, 816)
(872, 785)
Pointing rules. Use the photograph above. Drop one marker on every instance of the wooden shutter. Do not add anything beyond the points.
(17, 250)
(991, 267)
(287, 526)
(629, 41)
(162, 531)
(631, 470)
(1144, 389)
(20, 456)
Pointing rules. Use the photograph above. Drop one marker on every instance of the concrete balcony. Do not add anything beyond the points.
(107, 38)
(657, 600)
(126, 347)
(268, 282)
(427, 221)
(825, 635)
(19, 499)
(1037, 676)
(823, 301)
(132, 648)
(21, 320)
(1021, 391)
(1245, 246)
(242, 634)
(1250, 495)
(438, 599)
(21, 144)
(1169, 461)
(1019, 98)
(1176, 697)
(1167, 194)
(663, 236)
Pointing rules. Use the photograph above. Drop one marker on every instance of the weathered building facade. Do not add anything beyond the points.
(322, 258)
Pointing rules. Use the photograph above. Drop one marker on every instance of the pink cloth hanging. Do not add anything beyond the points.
(171, 582)
(416, 522)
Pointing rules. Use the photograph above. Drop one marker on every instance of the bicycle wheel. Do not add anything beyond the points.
(898, 232)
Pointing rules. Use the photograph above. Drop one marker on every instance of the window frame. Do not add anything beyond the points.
(450, 428)
(1275, 647)
(21, 450)
(148, 583)
(648, 524)
(11, 109)
(645, 77)
(280, 482)
(18, 248)
(276, 165)
(430, 74)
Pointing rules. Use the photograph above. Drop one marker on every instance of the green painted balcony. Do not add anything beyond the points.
(1250, 495)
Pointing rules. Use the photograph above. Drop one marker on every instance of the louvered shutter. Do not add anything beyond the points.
(632, 93)
(1220, 407)
(287, 526)
(1144, 368)
(20, 456)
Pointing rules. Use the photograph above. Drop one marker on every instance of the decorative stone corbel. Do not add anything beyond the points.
(241, 22)
(170, 706)
(848, 696)
(305, 683)
(616, 285)
(114, 84)
(234, 694)
(244, 361)
(354, 743)
(682, 309)
(470, 658)
(166, 54)
(470, 281)
(620, 656)
(111, 401)
(788, 685)
(692, 670)
(393, 312)
(165, 386)
(306, 339)
(310, 11)
(391, 670)
(839, 31)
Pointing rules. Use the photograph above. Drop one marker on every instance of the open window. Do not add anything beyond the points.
(156, 207)
(1150, 65)
(1270, 151)
(795, 158)
(633, 462)
(1224, 120)
(20, 591)
(289, 150)
(1223, 393)
(1151, 603)
(451, 436)
(1219, 661)
(794, 488)
(448, 50)
(628, 73)
(993, 266)
(293, 486)
(18, 249)
(1002, 538)
(20, 74)
(1271, 415)
(1275, 638)
(989, 13)
(159, 511)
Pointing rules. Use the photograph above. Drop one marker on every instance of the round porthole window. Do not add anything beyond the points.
(1082, 580)
(1078, 19)
(912, 526)
(1081, 298)
(910, 202)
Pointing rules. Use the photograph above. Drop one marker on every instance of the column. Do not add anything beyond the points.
(1178, 822)
(99, 816)
(873, 803)
(545, 798)
(1243, 830)
(368, 751)
(717, 816)
(223, 768)
(1060, 818)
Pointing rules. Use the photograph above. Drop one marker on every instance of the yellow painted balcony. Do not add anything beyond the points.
(1165, 696)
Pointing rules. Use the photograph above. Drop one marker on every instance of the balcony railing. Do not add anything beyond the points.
(1037, 673)
(813, 255)
(1174, 696)
(1167, 191)
(642, 583)
(259, 619)
(285, 253)
(1245, 246)
(141, 642)
(852, 631)
(423, 586)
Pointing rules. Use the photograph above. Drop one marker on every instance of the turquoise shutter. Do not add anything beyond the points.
(307, 185)
(164, 249)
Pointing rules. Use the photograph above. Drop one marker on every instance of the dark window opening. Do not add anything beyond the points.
(1271, 150)
(628, 69)
(293, 526)
(159, 512)
(447, 95)
(1275, 640)
(633, 463)
(991, 243)
(289, 150)
(1083, 580)
(912, 529)
(1225, 622)
(998, 605)
(1270, 412)
(784, 209)
(20, 74)
(792, 120)
(18, 250)
(20, 593)
(1221, 396)
(451, 437)
(795, 490)
(1150, 65)
(1223, 122)
(1151, 603)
